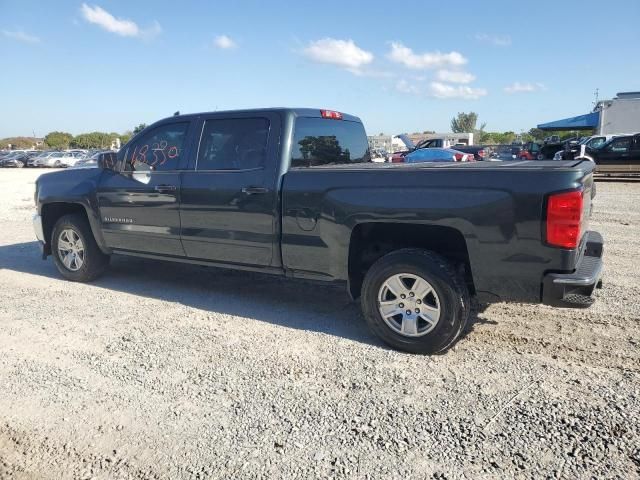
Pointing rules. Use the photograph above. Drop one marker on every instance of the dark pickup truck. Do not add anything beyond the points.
(293, 192)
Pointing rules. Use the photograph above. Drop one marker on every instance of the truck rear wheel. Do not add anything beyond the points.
(75, 251)
(415, 301)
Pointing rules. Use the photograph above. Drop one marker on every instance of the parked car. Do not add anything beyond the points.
(437, 155)
(55, 160)
(549, 150)
(89, 161)
(412, 241)
(379, 155)
(621, 154)
(478, 151)
(38, 157)
(593, 142)
(16, 158)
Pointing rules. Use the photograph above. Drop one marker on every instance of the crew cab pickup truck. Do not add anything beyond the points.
(293, 192)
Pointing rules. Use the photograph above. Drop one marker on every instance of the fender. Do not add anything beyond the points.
(74, 187)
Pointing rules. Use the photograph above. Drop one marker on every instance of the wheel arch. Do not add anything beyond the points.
(371, 241)
(51, 212)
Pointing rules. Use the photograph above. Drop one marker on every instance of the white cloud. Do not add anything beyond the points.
(343, 53)
(453, 76)
(404, 55)
(442, 90)
(518, 87)
(21, 36)
(497, 40)
(224, 42)
(126, 28)
(405, 87)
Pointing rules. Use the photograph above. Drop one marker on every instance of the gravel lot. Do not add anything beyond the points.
(169, 371)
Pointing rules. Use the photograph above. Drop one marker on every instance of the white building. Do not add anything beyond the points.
(619, 115)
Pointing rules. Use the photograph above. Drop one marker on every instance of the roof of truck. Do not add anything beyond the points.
(299, 112)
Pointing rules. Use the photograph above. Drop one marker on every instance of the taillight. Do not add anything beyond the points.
(564, 218)
(458, 157)
(331, 114)
(481, 153)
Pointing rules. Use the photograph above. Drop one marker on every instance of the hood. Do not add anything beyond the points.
(407, 141)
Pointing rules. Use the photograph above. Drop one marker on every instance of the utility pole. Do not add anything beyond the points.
(595, 103)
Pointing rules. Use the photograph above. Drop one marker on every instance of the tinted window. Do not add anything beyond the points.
(596, 142)
(320, 141)
(233, 144)
(160, 149)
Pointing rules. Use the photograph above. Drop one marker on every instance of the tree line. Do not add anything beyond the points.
(63, 140)
(467, 123)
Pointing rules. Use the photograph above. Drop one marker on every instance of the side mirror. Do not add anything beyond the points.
(107, 160)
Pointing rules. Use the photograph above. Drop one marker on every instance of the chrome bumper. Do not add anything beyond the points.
(37, 227)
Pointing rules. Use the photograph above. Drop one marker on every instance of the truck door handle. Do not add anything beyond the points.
(165, 188)
(254, 190)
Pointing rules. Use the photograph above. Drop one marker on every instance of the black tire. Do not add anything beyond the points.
(450, 288)
(95, 262)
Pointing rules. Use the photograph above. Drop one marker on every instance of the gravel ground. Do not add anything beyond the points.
(169, 371)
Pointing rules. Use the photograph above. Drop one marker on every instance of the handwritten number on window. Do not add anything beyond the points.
(162, 151)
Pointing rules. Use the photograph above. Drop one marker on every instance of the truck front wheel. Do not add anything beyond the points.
(415, 301)
(75, 251)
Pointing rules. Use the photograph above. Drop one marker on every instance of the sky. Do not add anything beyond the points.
(401, 66)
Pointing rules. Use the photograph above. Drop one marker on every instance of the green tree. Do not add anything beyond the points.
(125, 137)
(464, 122)
(486, 137)
(139, 128)
(536, 134)
(94, 140)
(58, 140)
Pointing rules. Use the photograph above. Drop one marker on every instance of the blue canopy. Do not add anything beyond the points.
(581, 122)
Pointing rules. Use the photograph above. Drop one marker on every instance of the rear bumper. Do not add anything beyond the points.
(575, 290)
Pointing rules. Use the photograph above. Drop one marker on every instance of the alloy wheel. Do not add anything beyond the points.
(71, 249)
(409, 305)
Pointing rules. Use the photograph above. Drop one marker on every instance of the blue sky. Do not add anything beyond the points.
(401, 66)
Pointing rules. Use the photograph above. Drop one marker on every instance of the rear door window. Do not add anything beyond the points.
(326, 142)
(233, 144)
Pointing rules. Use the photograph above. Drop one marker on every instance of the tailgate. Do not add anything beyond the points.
(588, 192)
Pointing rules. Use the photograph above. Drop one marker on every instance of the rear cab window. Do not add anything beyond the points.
(325, 142)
